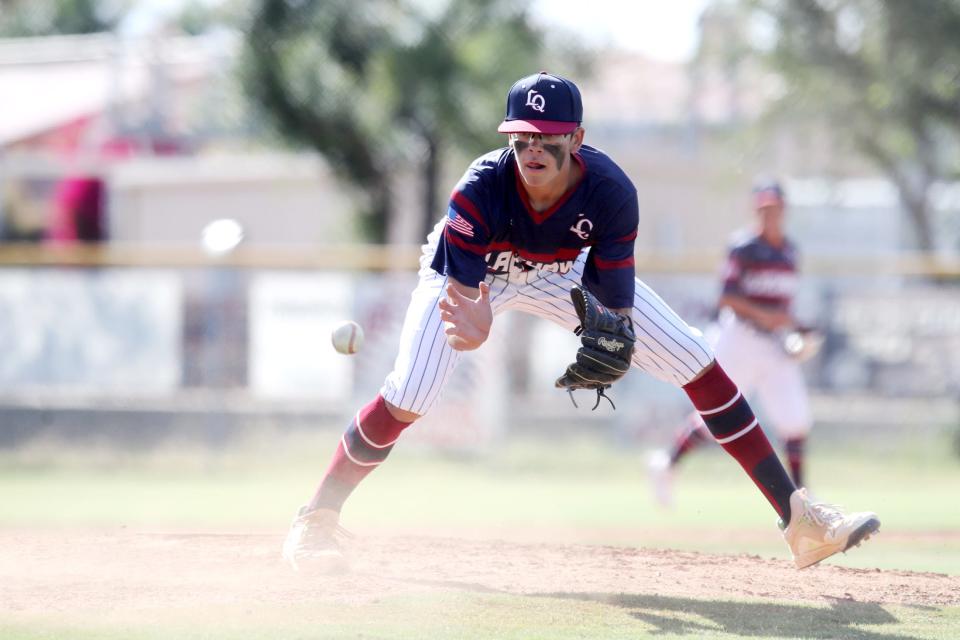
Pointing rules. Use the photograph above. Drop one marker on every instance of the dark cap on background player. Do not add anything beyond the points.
(542, 103)
(767, 193)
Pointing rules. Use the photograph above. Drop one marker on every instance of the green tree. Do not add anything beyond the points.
(885, 76)
(374, 85)
(25, 18)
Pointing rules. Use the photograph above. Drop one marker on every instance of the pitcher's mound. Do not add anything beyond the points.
(116, 570)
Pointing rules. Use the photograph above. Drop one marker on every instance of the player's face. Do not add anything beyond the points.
(543, 158)
(771, 218)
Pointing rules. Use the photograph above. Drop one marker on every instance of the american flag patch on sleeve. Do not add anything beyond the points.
(458, 223)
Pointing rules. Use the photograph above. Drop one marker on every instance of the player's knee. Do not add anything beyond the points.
(703, 371)
(401, 414)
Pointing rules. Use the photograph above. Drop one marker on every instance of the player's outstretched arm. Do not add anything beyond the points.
(467, 315)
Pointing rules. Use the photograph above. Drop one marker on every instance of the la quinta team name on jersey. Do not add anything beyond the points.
(507, 262)
(770, 283)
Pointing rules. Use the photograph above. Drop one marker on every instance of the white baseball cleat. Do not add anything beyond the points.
(312, 545)
(818, 530)
(661, 477)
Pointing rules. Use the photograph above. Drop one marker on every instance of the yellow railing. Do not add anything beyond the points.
(392, 257)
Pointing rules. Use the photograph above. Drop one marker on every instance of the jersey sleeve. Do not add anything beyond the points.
(462, 249)
(610, 268)
(732, 274)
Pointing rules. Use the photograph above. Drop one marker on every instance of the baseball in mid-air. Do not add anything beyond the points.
(347, 337)
(221, 236)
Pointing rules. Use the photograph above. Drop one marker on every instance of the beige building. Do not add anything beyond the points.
(139, 116)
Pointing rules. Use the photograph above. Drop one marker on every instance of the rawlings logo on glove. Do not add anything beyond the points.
(606, 340)
(610, 345)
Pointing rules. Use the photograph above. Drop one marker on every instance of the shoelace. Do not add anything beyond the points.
(824, 514)
(343, 533)
(320, 533)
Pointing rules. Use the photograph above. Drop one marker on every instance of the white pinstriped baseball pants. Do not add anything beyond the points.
(667, 348)
(760, 366)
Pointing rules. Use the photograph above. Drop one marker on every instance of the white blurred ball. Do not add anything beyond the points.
(793, 343)
(347, 337)
(221, 236)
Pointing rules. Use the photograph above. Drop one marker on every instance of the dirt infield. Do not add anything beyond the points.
(124, 570)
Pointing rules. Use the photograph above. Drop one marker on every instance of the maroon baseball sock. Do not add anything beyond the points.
(365, 444)
(795, 453)
(692, 435)
(732, 423)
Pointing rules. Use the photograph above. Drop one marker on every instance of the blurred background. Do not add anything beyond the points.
(194, 192)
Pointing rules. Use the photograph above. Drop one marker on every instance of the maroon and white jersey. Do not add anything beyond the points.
(762, 273)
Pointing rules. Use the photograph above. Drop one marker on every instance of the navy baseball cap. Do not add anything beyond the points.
(542, 103)
(766, 194)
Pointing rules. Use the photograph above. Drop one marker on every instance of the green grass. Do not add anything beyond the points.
(472, 616)
(584, 490)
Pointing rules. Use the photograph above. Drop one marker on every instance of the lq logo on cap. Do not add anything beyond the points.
(542, 103)
(536, 101)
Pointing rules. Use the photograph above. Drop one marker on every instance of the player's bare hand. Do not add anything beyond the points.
(467, 320)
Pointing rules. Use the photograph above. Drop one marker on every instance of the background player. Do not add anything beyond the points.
(525, 224)
(760, 281)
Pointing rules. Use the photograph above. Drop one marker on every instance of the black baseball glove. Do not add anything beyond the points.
(606, 339)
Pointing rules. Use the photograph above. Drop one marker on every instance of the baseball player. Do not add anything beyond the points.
(758, 341)
(546, 226)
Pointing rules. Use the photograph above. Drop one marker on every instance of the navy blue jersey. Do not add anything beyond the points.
(491, 227)
(761, 272)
